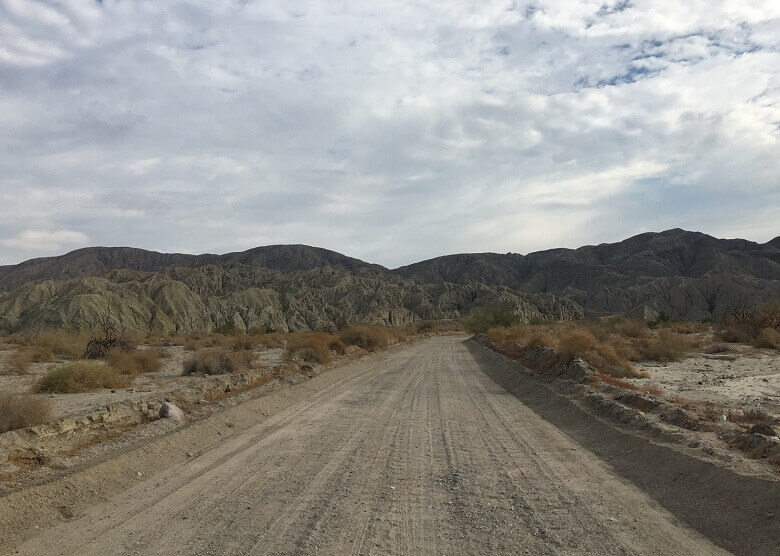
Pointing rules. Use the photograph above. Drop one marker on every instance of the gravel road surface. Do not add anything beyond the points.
(419, 453)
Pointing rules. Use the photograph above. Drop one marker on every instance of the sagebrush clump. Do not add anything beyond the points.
(81, 376)
(18, 411)
(216, 361)
(136, 361)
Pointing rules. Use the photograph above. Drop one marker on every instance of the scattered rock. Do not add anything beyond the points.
(170, 411)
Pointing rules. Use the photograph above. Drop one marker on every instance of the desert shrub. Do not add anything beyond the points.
(47, 345)
(335, 344)
(688, 327)
(215, 361)
(748, 415)
(661, 318)
(717, 347)
(18, 363)
(313, 347)
(665, 346)
(541, 338)
(752, 414)
(18, 411)
(595, 343)
(64, 344)
(370, 338)
(41, 354)
(581, 343)
(483, 319)
(576, 343)
(747, 325)
(768, 338)
(633, 329)
(81, 376)
(136, 361)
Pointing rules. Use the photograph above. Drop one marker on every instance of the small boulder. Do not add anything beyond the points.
(763, 428)
(170, 411)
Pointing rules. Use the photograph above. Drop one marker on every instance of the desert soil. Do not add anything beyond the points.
(747, 377)
(414, 452)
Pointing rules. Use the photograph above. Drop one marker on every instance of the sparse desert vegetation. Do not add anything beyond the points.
(758, 326)
(18, 363)
(216, 361)
(611, 346)
(314, 347)
(371, 337)
(18, 411)
(80, 376)
(135, 361)
(49, 345)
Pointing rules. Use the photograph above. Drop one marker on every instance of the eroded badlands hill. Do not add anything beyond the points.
(295, 287)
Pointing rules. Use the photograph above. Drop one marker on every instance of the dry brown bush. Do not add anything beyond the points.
(80, 376)
(596, 343)
(18, 411)
(313, 347)
(665, 346)
(136, 361)
(18, 363)
(687, 327)
(717, 347)
(46, 346)
(768, 338)
(216, 361)
(748, 325)
(370, 337)
(64, 344)
(748, 415)
(631, 328)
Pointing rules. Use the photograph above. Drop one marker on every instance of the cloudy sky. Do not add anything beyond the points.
(392, 131)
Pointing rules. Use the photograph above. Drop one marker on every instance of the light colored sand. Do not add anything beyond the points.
(749, 378)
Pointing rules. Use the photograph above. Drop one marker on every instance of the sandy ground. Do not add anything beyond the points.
(419, 452)
(159, 384)
(746, 378)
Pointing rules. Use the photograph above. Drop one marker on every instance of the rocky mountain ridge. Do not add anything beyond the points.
(296, 287)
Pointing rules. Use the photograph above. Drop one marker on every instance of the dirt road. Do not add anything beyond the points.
(421, 453)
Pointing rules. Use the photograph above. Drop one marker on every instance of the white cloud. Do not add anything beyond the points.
(392, 131)
(44, 240)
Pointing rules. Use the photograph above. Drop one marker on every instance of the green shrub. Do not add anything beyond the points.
(484, 318)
